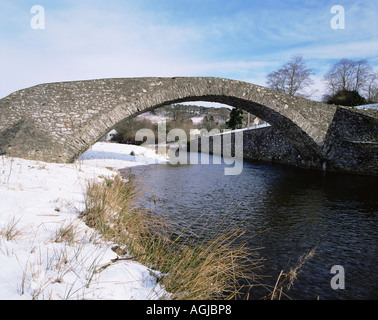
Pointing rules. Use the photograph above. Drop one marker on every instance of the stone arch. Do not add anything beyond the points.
(58, 121)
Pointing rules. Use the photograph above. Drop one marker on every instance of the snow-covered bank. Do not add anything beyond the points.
(373, 106)
(46, 252)
(118, 156)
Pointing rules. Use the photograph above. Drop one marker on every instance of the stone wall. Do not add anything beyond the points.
(269, 145)
(55, 122)
(351, 145)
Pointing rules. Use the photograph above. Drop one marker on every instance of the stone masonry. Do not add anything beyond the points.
(56, 122)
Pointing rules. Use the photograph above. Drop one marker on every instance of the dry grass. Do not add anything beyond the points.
(10, 231)
(67, 233)
(47, 267)
(286, 280)
(208, 265)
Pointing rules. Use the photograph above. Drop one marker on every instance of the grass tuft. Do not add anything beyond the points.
(208, 265)
(10, 231)
(67, 232)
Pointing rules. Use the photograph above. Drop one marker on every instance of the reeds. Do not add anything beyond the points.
(10, 231)
(67, 233)
(286, 280)
(208, 265)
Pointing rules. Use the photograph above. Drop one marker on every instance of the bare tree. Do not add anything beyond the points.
(291, 78)
(371, 90)
(348, 75)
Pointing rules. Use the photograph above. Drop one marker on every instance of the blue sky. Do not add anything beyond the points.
(238, 39)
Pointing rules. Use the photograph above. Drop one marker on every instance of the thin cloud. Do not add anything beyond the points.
(239, 40)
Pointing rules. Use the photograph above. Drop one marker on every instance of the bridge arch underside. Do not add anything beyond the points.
(299, 139)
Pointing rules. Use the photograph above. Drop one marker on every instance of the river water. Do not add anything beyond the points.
(286, 212)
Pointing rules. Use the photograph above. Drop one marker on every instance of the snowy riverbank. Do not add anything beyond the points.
(39, 208)
(118, 156)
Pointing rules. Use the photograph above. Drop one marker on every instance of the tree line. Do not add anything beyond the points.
(349, 82)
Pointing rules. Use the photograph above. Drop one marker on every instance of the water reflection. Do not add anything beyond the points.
(287, 212)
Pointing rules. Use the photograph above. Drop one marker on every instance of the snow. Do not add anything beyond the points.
(197, 120)
(373, 106)
(36, 200)
(253, 127)
(119, 156)
(152, 118)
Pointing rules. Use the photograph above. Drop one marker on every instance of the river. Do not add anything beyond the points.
(286, 212)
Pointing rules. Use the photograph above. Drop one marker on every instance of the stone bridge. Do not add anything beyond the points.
(56, 122)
